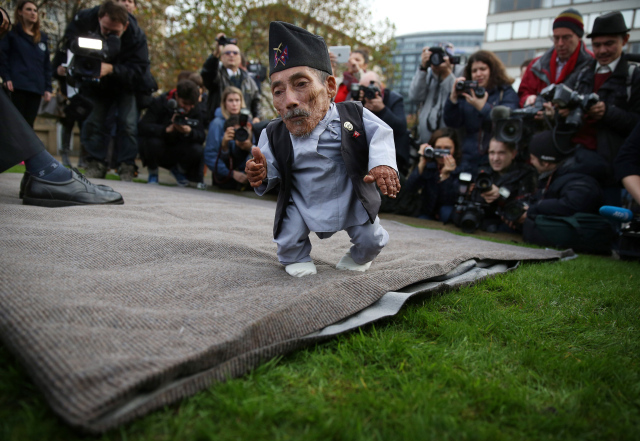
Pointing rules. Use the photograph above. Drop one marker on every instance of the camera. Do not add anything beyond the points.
(469, 212)
(512, 125)
(483, 180)
(431, 153)
(437, 57)
(369, 91)
(566, 98)
(468, 86)
(181, 115)
(242, 133)
(511, 210)
(223, 41)
(88, 55)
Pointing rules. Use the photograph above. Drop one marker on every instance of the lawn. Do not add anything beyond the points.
(549, 351)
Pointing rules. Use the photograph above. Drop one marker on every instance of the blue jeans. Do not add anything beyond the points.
(94, 128)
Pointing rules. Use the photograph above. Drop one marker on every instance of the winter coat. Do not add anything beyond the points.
(25, 63)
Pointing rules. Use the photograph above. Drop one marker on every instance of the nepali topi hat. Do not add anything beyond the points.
(291, 46)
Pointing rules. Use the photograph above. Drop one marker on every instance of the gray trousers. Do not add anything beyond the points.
(294, 245)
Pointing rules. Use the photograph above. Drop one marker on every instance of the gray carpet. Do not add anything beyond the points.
(116, 311)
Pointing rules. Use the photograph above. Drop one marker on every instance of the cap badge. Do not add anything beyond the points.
(280, 55)
(348, 126)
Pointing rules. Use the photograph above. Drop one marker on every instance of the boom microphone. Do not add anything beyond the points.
(616, 213)
(500, 112)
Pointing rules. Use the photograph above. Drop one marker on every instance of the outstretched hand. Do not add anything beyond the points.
(256, 168)
(386, 178)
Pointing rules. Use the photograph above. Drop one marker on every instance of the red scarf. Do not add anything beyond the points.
(567, 69)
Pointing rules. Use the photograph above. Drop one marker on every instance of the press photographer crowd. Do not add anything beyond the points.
(557, 161)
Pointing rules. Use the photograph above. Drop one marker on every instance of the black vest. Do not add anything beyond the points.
(355, 153)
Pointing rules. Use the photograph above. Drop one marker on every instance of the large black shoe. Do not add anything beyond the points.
(76, 191)
(27, 175)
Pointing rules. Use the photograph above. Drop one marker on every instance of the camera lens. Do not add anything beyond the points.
(241, 135)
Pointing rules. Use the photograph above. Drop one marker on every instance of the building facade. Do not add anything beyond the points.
(409, 51)
(519, 30)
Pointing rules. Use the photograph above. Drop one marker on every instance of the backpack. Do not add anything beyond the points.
(583, 232)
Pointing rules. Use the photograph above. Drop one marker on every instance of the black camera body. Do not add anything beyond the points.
(469, 211)
(223, 41)
(512, 125)
(88, 55)
(431, 153)
(468, 86)
(369, 91)
(181, 119)
(566, 98)
(242, 133)
(437, 57)
(484, 182)
(512, 210)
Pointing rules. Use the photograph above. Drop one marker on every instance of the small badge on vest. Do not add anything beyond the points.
(348, 126)
(356, 134)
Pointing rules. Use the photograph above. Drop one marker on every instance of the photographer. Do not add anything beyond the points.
(517, 178)
(171, 136)
(566, 189)
(24, 62)
(435, 179)
(609, 122)
(470, 103)
(221, 70)
(356, 67)
(561, 63)
(389, 107)
(224, 154)
(120, 76)
(430, 87)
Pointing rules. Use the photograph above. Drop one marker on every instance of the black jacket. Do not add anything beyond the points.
(622, 112)
(25, 63)
(433, 194)
(393, 115)
(627, 162)
(158, 117)
(129, 65)
(572, 188)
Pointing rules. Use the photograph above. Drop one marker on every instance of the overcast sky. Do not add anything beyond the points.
(412, 16)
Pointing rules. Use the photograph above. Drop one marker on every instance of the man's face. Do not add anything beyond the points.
(230, 56)
(111, 27)
(301, 99)
(565, 42)
(608, 48)
(185, 104)
(500, 157)
(356, 62)
(540, 166)
(130, 5)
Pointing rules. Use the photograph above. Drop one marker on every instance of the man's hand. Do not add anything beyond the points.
(9, 85)
(530, 101)
(105, 69)
(182, 129)
(426, 55)
(597, 110)
(217, 48)
(62, 71)
(375, 105)
(386, 178)
(256, 168)
(491, 194)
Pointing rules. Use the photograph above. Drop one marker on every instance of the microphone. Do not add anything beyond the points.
(616, 213)
(173, 104)
(500, 112)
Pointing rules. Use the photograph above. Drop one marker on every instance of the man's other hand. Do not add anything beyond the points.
(530, 101)
(375, 105)
(256, 168)
(596, 111)
(386, 178)
(182, 129)
(491, 195)
(105, 69)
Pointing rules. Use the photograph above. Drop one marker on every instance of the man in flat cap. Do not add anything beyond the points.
(559, 64)
(617, 82)
(325, 156)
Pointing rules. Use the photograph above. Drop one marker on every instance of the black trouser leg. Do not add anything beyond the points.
(27, 104)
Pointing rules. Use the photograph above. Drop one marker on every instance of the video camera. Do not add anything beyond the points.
(431, 153)
(468, 86)
(181, 115)
(512, 125)
(88, 55)
(369, 91)
(223, 41)
(242, 133)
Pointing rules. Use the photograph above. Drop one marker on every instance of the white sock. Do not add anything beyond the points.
(347, 263)
(301, 269)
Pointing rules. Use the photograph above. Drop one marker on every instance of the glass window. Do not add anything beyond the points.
(589, 22)
(409, 58)
(534, 29)
(582, 1)
(545, 27)
(491, 32)
(504, 57)
(636, 23)
(503, 31)
(518, 57)
(521, 29)
(561, 2)
(628, 17)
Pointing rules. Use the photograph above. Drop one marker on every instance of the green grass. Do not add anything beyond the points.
(549, 351)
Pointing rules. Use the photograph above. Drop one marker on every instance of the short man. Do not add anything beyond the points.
(566, 185)
(430, 87)
(506, 173)
(324, 156)
(221, 70)
(120, 77)
(46, 182)
(356, 67)
(389, 107)
(617, 82)
(171, 136)
(559, 64)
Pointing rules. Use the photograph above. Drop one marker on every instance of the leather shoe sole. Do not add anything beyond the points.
(76, 191)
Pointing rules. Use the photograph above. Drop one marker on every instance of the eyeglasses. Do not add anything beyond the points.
(231, 53)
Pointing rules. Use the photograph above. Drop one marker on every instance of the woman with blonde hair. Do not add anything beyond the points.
(24, 61)
(226, 151)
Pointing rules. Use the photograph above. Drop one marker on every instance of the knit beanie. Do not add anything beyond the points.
(542, 146)
(571, 19)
